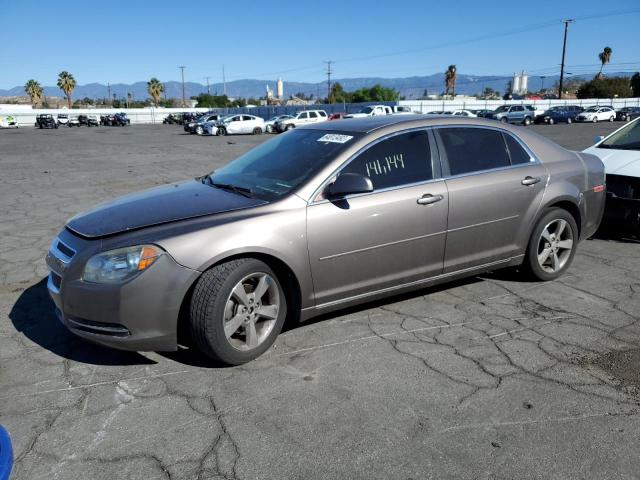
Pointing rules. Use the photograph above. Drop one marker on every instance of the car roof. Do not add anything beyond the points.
(371, 124)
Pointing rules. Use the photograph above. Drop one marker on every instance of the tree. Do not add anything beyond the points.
(155, 89)
(212, 101)
(605, 57)
(489, 92)
(34, 90)
(450, 77)
(635, 84)
(606, 88)
(66, 83)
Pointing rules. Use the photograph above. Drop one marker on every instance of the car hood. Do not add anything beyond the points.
(168, 203)
(618, 162)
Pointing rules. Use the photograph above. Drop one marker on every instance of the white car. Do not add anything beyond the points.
(236, 124)
(63, 119)
(371, 111)
(461, 113)
(73, 121)
(620, 153)
(304, 117)
(596, 114)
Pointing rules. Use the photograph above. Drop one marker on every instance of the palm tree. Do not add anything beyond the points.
(450, 77)
(605, 57)
(34, 90)
(66, 83)
(155, 89)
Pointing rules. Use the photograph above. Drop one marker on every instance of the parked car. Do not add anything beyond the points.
(63, 119)
(627, 113)
(556, 115)
(8, 121)
(106, 120)
(172, 118)
(461, 113)
(336, 116)
(74, 121)
(435, 112)
(514, 114)
(596, 114)
(304, 117)
(120, 120)
(402, 110)
(484, 113)
(620, 153)
(93, 120)
(197, 126)
(269, 125)
(188, 117)
(371, 111)
(326, 216)
(46, 120)
(237, 125)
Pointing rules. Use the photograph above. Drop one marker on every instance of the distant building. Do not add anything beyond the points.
(520, 83)
(280, 88)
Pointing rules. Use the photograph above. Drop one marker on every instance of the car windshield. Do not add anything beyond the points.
(280, 165)
(366, 110)
(592, 109)
(503, 108)
(627, 138)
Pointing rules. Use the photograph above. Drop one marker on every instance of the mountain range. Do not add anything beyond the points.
(409, 87)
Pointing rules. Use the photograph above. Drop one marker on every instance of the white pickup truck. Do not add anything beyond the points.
(374, 110)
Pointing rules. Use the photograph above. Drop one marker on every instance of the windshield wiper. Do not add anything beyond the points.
(246, 192)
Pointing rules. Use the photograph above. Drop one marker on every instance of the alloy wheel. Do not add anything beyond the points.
(555, 246)
(251, 311)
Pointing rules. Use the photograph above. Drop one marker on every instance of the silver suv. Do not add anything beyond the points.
(301, 118)
(514, 114)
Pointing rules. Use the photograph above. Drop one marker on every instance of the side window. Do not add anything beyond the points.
(473, 149)
(302, 115)
(399, 160)
(313, 115)
(322, 113)
(235, 119)
(246, 118)
(516, 152)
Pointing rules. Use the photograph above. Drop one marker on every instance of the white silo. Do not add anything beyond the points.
(280, 88)
(515, 84)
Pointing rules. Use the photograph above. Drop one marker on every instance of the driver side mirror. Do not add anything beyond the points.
(350, 183)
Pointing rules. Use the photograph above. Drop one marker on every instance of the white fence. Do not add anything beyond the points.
(425, 106)
(27, 117)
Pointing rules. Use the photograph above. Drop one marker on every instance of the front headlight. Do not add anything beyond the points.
(116, 266)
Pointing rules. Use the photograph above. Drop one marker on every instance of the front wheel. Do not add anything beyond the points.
(237, 311)
(291, 126)
(552, 245)
(222, 131)
(269, 129)
(199, 130)
(551, 121)
(569, 120)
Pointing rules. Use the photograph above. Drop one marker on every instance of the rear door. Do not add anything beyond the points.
(495, 188)
(391, 236)
(248, 123)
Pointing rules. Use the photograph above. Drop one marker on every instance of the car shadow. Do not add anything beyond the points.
(33, 315)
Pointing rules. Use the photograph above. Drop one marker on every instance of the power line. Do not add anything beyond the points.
(182, 67)
(329, 62)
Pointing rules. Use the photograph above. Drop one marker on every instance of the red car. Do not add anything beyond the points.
(336, 116)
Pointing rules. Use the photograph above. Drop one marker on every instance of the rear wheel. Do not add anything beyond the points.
(527, 121)
(237, 311)
(552, 245)
(612, 118)
(257, 131)
(595, 120)
(569, 120)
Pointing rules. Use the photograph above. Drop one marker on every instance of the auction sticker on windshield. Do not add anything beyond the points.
(335, 138)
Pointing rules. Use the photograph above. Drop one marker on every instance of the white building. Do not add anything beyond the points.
(520, 83)
(280, 88)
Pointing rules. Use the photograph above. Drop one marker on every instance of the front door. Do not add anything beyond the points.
(494, 190)
(389, 237)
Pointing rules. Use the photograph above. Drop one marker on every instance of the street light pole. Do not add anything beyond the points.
(184, 103)
(564, 49)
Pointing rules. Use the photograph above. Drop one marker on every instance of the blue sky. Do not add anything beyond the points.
(127, 41)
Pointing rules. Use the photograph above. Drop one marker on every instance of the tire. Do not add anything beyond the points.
(269, 129)
(569, 121)
(545, 268)
(257, 131)
(199, 130)
(504, 120)
(551, 121)
(214, 306)
(222, 131)
(612, 118)
(527, 121)
(291, 126)
(595, 120)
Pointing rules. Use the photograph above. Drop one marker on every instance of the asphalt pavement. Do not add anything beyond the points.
(492, 377)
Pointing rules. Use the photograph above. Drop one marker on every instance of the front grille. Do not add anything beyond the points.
(65, 250)
(623, 186)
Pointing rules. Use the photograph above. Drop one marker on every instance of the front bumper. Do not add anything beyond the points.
(622, 214)
(140, 314)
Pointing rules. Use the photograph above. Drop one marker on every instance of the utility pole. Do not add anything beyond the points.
(208, 88)
(224, 82)
(109, 91)
(564, 49)
(542, 77)
(329, 72)
(184, 102)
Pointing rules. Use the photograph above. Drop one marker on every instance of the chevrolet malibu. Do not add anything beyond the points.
(323, 217)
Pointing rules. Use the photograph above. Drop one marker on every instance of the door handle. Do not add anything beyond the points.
(528, 181)
(428, 199)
